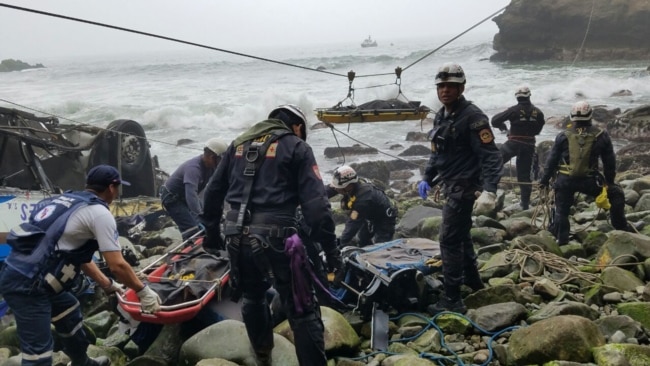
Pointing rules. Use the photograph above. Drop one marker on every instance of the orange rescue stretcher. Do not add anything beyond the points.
(187, 278)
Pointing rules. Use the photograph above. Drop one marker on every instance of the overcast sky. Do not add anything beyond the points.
(230, 24)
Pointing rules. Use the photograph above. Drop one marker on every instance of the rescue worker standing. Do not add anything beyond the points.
(266, 173)
(180, 194)
(372, 213)
(466, 159)
(47, 253)
(526, 121)
(574, 156)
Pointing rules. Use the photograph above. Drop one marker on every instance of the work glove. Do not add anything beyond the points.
(485, 203)
(333, 258)
(213, 241)
(423, 189)
(149, 300)
(335, 265)
(113, 287)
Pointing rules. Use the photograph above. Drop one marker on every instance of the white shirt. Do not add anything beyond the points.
(90, 222)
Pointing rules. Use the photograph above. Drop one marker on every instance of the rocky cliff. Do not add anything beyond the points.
(533, 30)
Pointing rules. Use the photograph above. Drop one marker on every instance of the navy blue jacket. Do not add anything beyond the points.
(602, 149)
(526, 121)
(288, 178)
(463, 151)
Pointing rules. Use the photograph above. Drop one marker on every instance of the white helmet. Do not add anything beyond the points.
(450, 73)
(344, 176)
(290, 114)
(216, 146)
(581, 111)
(522, 92)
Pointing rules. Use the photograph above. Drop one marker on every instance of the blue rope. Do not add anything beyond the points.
(442, 360)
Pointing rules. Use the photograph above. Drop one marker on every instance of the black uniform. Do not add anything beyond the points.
(526, 121)
(589, 181)
(372, 214)
(287, 177)
(462, 151)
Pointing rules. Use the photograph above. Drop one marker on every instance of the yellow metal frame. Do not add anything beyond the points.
(373, 115)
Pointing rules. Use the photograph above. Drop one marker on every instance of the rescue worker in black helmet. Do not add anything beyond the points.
(465, 157)
(526, 121)
(266, 173)
(574, 157)
(180, 195)
(372, 213)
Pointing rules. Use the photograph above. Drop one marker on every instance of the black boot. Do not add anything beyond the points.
(447, 304)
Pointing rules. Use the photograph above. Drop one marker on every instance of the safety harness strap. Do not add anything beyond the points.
(255, 153)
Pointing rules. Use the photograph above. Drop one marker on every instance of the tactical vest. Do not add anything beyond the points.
(34, 244)
(581, 141)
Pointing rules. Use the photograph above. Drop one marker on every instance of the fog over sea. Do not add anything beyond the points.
(198, 94)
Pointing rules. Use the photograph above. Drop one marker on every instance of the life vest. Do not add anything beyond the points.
(34, 244)
(581, 140)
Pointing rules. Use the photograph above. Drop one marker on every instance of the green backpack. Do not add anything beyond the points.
(581, 141)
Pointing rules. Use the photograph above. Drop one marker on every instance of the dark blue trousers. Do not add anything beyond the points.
(34, 309)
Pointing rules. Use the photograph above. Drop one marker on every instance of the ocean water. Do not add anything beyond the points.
(199, 94)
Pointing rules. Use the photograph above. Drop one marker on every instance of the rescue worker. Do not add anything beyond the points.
(466, 159)
(265, 174)
(526, 121)
(372, 213)
(574, 156)
(47, 255)
(180, 193)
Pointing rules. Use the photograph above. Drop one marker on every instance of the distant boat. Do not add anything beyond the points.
(368, 42)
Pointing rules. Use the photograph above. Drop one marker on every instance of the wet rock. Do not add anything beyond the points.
(416, 150)
(565, 337)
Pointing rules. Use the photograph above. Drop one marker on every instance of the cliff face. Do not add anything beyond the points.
(533, 30)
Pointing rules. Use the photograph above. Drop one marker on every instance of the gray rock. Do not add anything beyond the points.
(564, 337)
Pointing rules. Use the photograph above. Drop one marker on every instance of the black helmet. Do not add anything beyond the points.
(291, 115)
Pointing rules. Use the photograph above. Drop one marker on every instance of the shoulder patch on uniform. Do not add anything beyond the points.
(354, 214)
(316, 171)
(479, 124)
(272, 150)
(486, 136)
(239, 151)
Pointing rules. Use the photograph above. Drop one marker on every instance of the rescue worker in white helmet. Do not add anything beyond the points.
(180, 193)
(372, 213)
(574, 157)
(526, 121)
(466, 159)
(265, 174)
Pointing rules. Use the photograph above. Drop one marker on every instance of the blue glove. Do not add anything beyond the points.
(423, 189)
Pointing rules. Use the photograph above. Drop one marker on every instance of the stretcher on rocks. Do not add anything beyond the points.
(187, 278)
(388, 275)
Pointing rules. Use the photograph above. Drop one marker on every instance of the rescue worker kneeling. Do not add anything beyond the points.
(574, 156)
(372, 214)
(265, 174)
